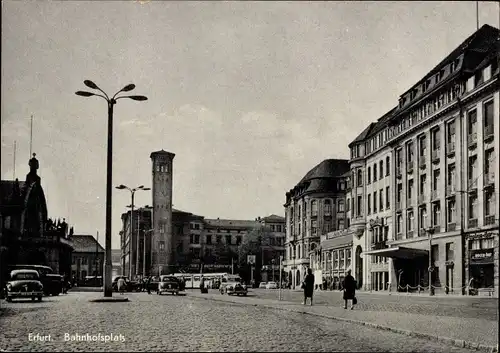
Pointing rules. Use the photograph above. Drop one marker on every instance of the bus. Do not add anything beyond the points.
(192, 280)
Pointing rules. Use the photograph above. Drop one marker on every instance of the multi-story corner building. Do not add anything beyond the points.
(423, 179)
(315, 206)
(87, 258)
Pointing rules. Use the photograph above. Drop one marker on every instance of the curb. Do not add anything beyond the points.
(451, 341)
(109, 300)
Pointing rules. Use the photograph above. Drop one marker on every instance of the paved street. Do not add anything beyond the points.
(462, 307)
(168, 323)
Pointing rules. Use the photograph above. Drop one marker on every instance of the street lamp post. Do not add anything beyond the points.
(430, 232)
(108, 290)
(132, 193)
(294, 273)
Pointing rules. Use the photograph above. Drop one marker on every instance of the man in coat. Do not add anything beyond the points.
(349, 289)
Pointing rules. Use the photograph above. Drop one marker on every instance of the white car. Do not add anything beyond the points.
(271, 285)
(263, 285)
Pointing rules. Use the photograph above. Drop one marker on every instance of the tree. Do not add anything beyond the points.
(222, 254)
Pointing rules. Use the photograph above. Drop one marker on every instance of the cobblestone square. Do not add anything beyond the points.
(183, 323)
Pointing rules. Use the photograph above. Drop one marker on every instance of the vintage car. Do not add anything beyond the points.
(53, 283)
(169, 284)
(24, 284)
(233, 288)
(130, 286)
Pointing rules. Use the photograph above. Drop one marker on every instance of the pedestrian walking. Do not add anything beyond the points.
(120, 284)
(349, 286)
(308, 286)
(148, 285)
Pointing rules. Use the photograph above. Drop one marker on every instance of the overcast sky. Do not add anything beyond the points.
(249, 96)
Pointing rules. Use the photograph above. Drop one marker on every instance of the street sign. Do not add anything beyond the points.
(251, 259)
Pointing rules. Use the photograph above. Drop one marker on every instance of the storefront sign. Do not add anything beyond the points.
(482, 235)
(481, 256)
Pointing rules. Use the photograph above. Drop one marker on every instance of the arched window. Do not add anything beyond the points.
(340, 206)
(327, 207)
(360, 177)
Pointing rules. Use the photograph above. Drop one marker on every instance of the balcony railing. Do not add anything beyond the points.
(450, 190)
(421, 198)
(488, 132)
(472, 223)
(434, 194)
(472, 139)
(379, 245)
(409, 234)
(421, 162)
(436, 229)
(451, 226)
(399, 236)
(450, 148)
(489, 220)
(435, 155)
(409, 167)
(422, 232)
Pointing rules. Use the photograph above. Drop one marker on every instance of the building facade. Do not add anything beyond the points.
(424, 179)
(315, 206)
(27, 235)
(142, 228)
(273, 249)
(87, 258)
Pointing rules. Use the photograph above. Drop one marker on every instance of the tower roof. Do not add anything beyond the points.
(162, 153)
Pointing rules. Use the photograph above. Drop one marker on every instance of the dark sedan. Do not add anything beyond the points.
(24, 284)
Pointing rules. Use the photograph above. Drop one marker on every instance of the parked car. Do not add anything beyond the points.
(24, 284)
(130, 286)
(52, 282)
(233, 288)
(169, 284)
(262, 285)
(271, 285)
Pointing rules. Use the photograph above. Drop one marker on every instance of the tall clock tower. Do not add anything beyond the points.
(162, 242)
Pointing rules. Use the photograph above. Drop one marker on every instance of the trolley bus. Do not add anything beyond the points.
(193, 280)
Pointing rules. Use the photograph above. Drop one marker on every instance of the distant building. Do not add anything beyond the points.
(88, 257)
(274, 249)
(27, 235)
(116, 262)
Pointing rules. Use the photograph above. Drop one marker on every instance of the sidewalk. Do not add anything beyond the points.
(463, 332)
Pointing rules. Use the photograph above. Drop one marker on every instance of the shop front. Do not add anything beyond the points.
(482, 263)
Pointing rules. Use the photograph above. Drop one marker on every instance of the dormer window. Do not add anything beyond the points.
(427, 84)
(440, 75)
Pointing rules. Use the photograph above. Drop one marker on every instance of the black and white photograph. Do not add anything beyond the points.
(249, 176)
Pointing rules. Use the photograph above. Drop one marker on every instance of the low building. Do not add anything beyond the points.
(88, 257)
(336, 257)
(274, 225)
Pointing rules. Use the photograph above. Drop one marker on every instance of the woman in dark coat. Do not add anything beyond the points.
(349, 289)
(308, 286)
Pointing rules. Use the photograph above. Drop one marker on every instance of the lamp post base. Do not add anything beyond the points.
(108, 287)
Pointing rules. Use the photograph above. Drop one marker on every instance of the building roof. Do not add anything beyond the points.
(162, 152)
(273, 218)
(329, 168)
(362, 136)
(337, 242)
(231, 223)
(86, 243)
(7, 190)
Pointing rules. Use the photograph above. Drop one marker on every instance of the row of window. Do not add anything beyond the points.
(327, 209)
(378, 174)
(442, 98)
(450, 211)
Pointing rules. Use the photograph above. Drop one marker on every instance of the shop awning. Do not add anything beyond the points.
(398, 252)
